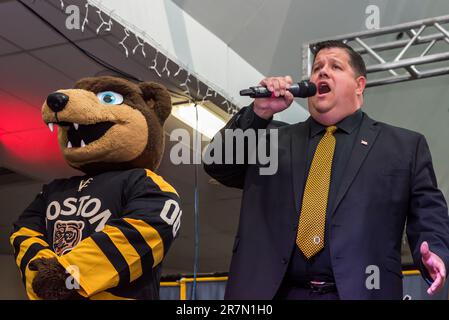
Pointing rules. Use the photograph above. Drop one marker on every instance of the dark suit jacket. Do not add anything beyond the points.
(388, 183)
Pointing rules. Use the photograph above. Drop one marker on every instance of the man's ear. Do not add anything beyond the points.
(361, 84)
(158, 96)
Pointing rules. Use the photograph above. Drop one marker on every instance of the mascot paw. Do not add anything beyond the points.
(50, 281)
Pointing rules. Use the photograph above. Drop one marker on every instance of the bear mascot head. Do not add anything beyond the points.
(109, 123)
(115, 224)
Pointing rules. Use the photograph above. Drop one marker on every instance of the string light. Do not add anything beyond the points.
(85, 21)
(106, 26)
(207, 95)
(154, 65)
(122, 43)
(226, 102)
(141, 44)
(177, 72)
(103, 22)
(166, 67)
(184, 84)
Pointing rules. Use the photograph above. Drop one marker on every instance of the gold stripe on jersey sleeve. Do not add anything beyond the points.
(152, 238)
(161, 183)
(96, 272)
(126, 249)
(25, 245)
(24, 231)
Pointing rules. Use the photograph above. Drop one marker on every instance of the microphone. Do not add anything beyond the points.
(302, 89)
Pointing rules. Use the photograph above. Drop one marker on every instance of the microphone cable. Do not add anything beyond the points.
(197, 136)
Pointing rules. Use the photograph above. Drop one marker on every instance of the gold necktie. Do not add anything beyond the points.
(310, 237)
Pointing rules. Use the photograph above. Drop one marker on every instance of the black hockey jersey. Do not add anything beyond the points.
(110, 231)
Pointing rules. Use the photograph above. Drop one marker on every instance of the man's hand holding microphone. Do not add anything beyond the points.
(276, 94)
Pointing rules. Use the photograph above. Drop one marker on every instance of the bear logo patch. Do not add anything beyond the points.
(66, 235)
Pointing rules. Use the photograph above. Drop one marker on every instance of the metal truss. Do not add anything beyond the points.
(400, 57)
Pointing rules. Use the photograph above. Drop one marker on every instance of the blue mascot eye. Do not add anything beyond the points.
(110, 97)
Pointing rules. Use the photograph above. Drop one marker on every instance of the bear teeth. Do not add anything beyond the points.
(69, 144)
(51, 126)
(76, 125)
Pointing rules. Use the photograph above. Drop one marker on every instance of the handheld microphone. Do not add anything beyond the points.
(302, 89)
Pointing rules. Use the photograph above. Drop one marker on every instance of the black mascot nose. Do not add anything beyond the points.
(57, 101)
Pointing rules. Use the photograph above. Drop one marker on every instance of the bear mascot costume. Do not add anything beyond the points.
(103, 235)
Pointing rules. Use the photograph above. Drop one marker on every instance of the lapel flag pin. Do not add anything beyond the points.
(365, 143)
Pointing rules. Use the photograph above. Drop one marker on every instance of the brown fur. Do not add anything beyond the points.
(50, 280)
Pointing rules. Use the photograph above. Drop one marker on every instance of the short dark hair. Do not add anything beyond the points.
(355, 59)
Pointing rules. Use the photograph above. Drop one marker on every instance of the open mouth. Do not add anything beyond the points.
(323, 88)
(80, 135)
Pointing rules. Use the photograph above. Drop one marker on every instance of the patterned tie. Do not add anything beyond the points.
(310, 237)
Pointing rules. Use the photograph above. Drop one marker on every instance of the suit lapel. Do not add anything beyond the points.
(365, 140)
(299, 144)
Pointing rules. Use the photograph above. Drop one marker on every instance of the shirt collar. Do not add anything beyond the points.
(347, 125)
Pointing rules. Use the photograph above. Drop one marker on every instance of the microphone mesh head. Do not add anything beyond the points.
(306, 89)
(311, 89)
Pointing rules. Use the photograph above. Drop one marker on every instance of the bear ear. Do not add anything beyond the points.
(85, 83)
(160, 96)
